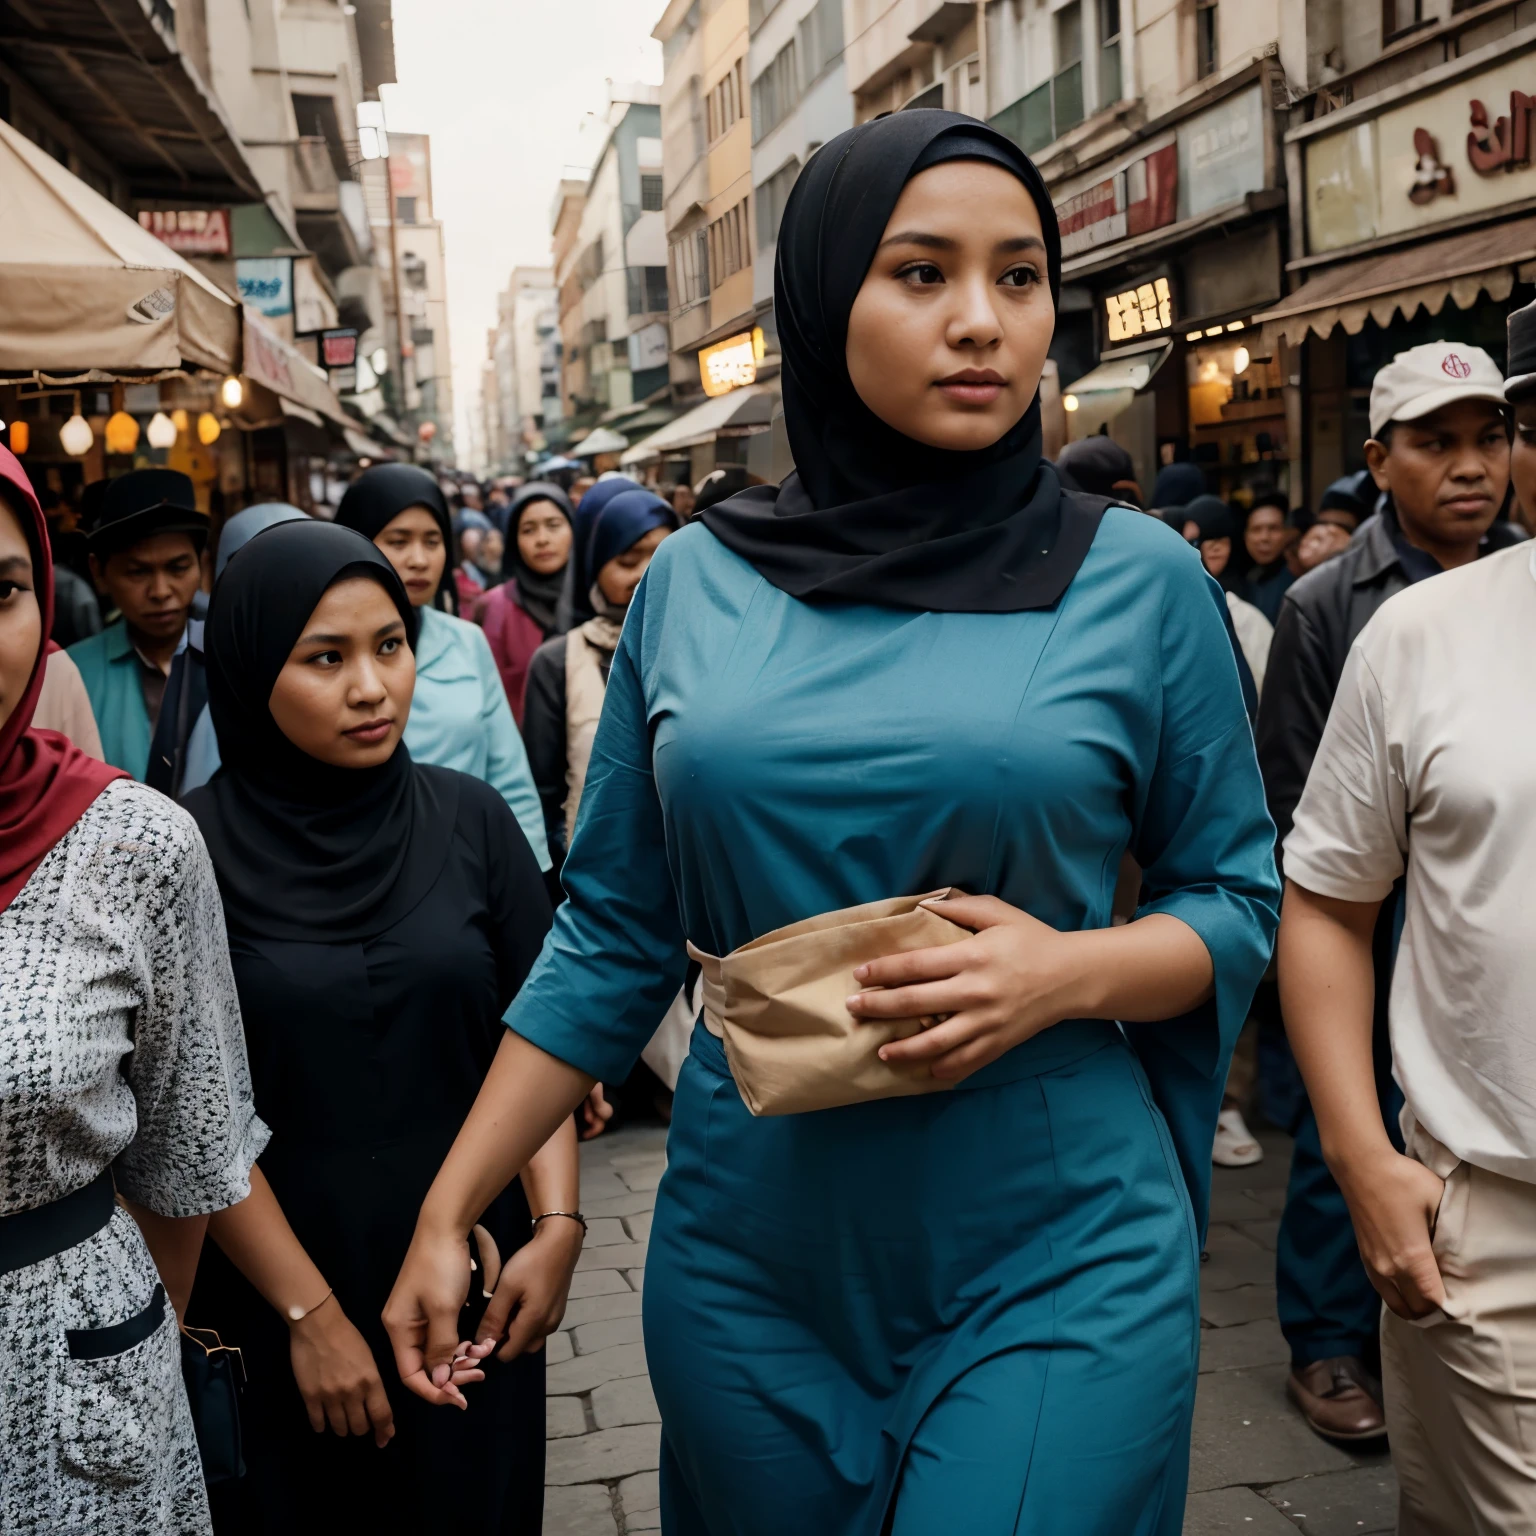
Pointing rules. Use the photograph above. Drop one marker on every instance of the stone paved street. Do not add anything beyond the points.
(1256, 1469)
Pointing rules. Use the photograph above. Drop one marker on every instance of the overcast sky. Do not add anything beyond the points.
(503, 87)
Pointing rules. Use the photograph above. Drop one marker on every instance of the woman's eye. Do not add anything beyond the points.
(8, 590)
(1020, 277)
(921, 274)
(389, 647)
(326, 659)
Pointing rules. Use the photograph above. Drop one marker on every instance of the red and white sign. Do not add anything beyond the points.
(1141, 197)
(192, 231)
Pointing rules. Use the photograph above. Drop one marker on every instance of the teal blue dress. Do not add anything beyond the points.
(971, 1311)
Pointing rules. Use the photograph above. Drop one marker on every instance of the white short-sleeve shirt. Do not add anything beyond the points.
(1429, 763)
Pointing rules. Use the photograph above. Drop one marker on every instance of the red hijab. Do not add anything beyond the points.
(46, 781)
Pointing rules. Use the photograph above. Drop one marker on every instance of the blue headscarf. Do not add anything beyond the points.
(623, 523)
(244, 526)
(575, 606)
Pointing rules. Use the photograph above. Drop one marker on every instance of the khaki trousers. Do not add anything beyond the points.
(1461, 1385)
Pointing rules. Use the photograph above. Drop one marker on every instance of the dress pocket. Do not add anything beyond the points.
(119, 1394)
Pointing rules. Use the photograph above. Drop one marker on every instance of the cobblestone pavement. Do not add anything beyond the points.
(1256, 1469)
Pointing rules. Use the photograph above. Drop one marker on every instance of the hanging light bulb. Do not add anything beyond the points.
(180, 420)
(75, 436)
(232, 392)
(162, 431)
(122, 433)
(1240, 360)
(208, 429)
(1069, 402)
(21, 437)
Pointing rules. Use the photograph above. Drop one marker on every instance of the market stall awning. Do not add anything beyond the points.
(1460, 267)
(599, 440)
(743, 410)
(1130, 372)
(83, 287)
(270, 361)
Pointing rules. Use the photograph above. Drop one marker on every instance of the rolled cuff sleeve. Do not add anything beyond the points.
(1349, 839)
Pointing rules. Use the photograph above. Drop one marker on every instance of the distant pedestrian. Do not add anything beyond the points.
(1426, 774)
(1267, 537)
(146, 543)
(123, 1088)
(1214, 532)
(682, 500)
(460, 717)
(519, 615)
(1439, 451)
(1101, 467)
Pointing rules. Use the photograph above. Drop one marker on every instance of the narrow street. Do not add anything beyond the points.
(1256, 1469)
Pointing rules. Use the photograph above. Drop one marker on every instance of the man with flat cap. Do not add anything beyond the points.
(146, 539)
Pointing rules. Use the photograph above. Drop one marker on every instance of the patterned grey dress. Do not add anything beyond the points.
(120, 1044)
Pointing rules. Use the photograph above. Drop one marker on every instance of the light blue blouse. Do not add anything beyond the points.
(460, 719)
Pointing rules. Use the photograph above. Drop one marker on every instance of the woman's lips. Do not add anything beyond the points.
(973, 386)
(371, 732)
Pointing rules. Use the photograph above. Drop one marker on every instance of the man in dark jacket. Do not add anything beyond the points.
(1439, 450)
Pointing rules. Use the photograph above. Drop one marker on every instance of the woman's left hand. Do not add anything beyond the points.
(986, 994)
(529, 1299)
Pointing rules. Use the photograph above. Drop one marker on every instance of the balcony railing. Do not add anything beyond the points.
(1045, 113)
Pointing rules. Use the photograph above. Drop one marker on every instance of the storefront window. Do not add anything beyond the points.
(1237, 412)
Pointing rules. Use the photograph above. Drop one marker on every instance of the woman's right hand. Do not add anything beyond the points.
(337, 1377)
(1393, 1201)
(422, 1317)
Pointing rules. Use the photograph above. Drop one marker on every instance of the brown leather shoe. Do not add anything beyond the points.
(1339, 1398)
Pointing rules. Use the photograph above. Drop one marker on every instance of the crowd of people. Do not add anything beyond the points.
(351, 868)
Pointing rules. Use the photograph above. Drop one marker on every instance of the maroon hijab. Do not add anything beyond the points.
(46, 781)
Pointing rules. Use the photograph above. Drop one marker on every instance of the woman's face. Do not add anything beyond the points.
(1215, 553)
(21, 619)
(948, 335)
(492, 547)
(683, 501)
(618, 579)
(543, 537)
(413, 541)
(344, 693)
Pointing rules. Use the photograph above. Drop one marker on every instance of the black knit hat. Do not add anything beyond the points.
(1520, 375)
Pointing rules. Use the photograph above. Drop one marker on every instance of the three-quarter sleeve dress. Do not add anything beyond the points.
(972, 1310)
(120, 1046)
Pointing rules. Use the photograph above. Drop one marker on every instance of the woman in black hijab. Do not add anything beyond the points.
(381, 916)
(918, 664)
(519, 615)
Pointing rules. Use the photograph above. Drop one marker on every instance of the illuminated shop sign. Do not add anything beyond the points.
(731, 363)
(192, 231)
(1140, 311)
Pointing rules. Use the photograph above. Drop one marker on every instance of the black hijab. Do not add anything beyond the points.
(537, 593)
(869, 515)
(305, 851)
(380, 494)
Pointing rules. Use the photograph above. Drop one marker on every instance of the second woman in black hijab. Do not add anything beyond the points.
(381, 915)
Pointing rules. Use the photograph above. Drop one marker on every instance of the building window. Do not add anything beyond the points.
(405, 209)
(726, 101)
(1067, 83)
(1207, 47)
(775, 92)
(821, 39)
(772, 195)
(655, 290)
(650, 193)
(690, 269)
(1111, 82)
(730, 249)
(1399, 16)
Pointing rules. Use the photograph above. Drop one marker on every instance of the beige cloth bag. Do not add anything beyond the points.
(780, 1005)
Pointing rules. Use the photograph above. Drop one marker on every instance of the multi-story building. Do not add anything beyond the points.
(609, 250)
(914, 53)
(422, 286)
(1411, 178)
(1159, 130)
(526, 354)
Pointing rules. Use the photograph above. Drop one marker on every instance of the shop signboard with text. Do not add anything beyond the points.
(1467, 147)
(192, 231)
(1131, 200)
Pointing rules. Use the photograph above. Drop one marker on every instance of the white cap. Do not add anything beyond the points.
(1422, 379)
